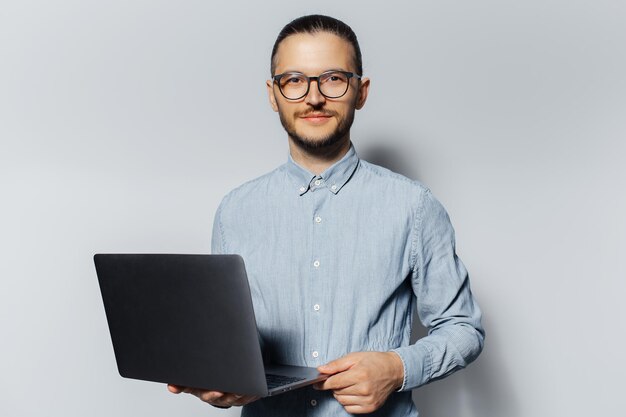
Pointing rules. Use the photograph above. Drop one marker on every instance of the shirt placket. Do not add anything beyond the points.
(319, 270)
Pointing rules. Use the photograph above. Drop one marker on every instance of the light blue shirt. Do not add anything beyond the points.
(339, 263)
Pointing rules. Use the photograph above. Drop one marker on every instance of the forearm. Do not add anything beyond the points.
(445, 350)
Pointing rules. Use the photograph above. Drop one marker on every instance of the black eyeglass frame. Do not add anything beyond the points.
(276, 78)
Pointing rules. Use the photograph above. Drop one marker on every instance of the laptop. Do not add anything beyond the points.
(188, 320)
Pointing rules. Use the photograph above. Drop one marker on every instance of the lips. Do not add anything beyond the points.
(316, 116)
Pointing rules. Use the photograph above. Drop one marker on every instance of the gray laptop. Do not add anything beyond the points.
(188, 320)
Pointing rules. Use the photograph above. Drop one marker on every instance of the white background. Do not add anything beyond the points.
(123, 123)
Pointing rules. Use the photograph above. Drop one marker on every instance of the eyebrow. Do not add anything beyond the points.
(301, 72)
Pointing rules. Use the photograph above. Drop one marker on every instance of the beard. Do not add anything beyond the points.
(318, 144)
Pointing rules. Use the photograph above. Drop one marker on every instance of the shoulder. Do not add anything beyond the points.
(391, 181)
(405, 193)
(253, 191)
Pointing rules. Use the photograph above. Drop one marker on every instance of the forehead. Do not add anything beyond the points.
(313, 53)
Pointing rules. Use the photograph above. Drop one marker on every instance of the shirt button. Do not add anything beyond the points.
(318, 182)
(313, 403)
(316, 307)
(315, 354)
(318, 219)
(302, 189)
(334, 187)
(316, 264)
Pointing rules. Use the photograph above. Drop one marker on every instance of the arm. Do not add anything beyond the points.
(363, 381)
(218, 242)
(444, 302)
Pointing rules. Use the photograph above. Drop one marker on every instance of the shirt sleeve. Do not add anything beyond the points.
(445, 304)
(218, 242)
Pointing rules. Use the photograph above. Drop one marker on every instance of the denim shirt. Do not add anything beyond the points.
(340, 262)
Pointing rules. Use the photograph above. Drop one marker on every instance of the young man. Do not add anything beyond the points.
(340, 252)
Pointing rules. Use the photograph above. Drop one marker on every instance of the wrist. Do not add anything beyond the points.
(397, 367)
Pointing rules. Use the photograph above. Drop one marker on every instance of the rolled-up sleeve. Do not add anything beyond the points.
(445, 304)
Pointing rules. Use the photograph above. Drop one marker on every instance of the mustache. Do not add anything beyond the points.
(309, 113)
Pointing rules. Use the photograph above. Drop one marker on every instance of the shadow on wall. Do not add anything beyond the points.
(481, 390)
(388, 156)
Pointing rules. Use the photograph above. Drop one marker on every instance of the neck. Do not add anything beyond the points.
(318, 160)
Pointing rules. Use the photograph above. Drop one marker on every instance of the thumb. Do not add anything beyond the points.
(338, 365)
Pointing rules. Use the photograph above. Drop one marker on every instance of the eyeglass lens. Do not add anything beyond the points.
(331, 85)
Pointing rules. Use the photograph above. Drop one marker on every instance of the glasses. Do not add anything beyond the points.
(331, 84)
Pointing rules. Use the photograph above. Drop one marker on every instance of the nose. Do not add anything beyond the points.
(314, 97)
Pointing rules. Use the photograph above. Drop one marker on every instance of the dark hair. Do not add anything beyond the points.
(316, 23)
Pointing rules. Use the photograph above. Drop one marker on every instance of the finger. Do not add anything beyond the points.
(356, 389)
(246, 399)
(359, 409)
(338, 365)
(220, 399)
(175, 389)
(215, 398)
(349, 400)
(204, 395)
(338, 381)
(355, 404)
(209, 396)
(229, 400)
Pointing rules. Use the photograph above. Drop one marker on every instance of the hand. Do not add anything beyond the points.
(363, 381)
(215, 398)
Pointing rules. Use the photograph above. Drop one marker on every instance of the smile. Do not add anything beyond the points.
(316, 118)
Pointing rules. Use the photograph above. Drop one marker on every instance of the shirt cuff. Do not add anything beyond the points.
(416, 361)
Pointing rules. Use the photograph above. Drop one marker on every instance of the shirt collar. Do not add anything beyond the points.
(333, 178)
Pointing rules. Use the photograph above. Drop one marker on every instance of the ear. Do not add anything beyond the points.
(270, 93)
(364, 88)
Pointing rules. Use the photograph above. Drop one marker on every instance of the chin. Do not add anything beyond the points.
(316, 138)
(316, 143)
(316, 135)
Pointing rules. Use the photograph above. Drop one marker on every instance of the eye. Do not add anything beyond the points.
(334, 78)
(293, 79)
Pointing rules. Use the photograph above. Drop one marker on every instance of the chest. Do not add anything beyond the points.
(337, 244)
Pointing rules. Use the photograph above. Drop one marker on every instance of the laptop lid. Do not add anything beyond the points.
(182, 319)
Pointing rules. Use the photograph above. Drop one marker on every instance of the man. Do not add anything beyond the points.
(341, 252)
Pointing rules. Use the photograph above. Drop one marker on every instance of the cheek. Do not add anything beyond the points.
(285, 112)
